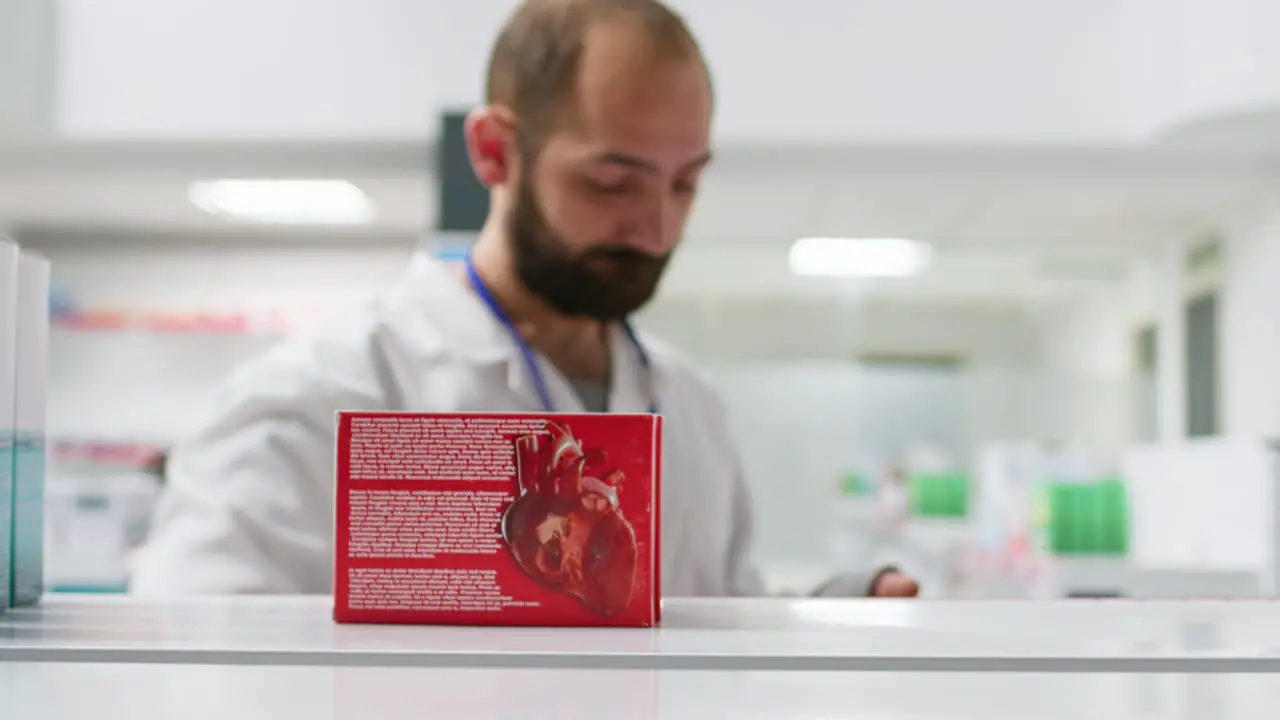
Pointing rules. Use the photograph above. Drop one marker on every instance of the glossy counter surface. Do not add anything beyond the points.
(55, 691)
(709, 635)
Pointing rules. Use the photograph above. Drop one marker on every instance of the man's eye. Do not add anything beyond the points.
(608, 187)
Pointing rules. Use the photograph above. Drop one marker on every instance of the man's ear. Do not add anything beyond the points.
(490, 134)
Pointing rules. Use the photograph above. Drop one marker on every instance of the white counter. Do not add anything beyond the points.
(268, 658)
(720, 635)
(53, 691)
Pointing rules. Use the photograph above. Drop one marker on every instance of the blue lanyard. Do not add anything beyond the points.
(531, 360)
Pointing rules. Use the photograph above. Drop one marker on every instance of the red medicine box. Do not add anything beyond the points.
(493, 519)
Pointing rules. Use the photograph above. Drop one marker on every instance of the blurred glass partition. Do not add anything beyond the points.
(814, 433)
(911, 406)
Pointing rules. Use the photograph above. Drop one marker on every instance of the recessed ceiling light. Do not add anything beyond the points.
(859, 257)
(322, 202)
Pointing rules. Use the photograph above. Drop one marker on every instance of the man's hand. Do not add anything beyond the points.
(894, 584)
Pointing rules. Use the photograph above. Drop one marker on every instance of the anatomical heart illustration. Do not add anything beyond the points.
(565, 528)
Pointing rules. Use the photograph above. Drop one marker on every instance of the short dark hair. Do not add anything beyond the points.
(533, 67)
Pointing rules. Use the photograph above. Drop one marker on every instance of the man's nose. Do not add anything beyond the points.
(658, 229)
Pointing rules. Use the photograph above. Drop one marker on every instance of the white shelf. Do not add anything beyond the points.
(727, 635)
(162, 692)
(260, 658)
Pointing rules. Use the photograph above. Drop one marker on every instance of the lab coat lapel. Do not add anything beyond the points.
(635, 389)
(466, 329)
(629, 381)
(520, 379)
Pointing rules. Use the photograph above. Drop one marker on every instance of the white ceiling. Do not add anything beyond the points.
(1010, 224)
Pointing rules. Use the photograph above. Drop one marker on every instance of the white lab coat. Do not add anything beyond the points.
(249, 501)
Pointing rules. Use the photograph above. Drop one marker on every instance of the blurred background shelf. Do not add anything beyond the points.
(107, 321)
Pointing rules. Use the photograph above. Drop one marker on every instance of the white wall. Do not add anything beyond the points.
(1250, 330)
(1092, 341)
(1170, 293)
(1089, 337)
(1094, 338)
(1088, 344)
(982, 70)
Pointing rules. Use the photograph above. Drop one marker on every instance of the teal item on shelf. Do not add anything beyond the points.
(10, 256)
(6, 517)
(26, 572)
(88, 589)
(26, 576)
(940, 496)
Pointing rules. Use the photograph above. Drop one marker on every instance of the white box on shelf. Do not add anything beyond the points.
(94, 521)
(8, 408)
(1181, 491)
(32, 371)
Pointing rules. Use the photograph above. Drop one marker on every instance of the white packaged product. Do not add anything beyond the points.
(27, 569)
(8, 407)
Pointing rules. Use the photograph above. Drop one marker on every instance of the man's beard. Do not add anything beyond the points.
(567, 282)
